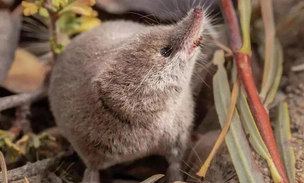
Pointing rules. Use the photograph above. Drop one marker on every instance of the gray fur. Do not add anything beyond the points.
(117, 99)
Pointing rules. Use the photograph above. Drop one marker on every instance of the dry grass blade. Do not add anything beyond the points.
(283, 138)
(3, 168)
(236, 141)
(153, 178)
(202, 172)
(255, 137)
(26, 181)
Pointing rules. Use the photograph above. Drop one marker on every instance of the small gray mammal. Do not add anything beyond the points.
(121, 92)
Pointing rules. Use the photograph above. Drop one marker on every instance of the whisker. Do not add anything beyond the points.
(196, 166)
(195, 178)
(198, 76)
(197, 155)
(191, 168)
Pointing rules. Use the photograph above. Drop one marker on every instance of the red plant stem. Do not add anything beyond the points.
(260, 114)
(245, 73)
(231, 19)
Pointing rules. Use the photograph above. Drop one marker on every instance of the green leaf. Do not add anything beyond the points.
(58, 4)
(45, 136)
(43, 12)
(244, 7)
(273, 67)
(68, 23)
(36, 141)
(39, 2)
(278, 67)
(13, 151)
(153, 179)
(57, 48)
(236, 141)
(283, 139)
(81, 7)
(255, 137)
(86, 24)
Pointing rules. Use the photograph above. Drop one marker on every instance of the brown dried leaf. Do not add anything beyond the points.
(26, 74)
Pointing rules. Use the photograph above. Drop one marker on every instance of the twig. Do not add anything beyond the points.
(21, 99)
(29, 170)
(52, 29)
(298, 68)
(3, 168)
(17, 11)
(245, 73)
(54, 132)
(21, 123)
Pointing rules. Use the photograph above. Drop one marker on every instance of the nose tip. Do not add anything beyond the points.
(198, 11)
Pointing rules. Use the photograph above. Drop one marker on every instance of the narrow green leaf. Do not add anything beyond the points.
(244, 7)
(153, 178)
(273, 67)
(283, 139)
(254, 135)
(278, 74)
(68, 22)
(236, 141)
(43, 12)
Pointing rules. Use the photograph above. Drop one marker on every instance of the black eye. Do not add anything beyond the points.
(166, 51)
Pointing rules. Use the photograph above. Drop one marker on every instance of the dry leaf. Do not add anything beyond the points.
(26, 74)
(29, 8)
